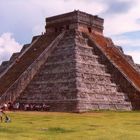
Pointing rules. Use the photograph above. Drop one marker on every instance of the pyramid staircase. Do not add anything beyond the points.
(17, 75)
(119, 60)
(128, 69)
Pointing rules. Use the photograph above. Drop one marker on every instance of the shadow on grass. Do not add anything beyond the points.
(57, 130)
(9, 130)
(132, 123)
(94, 127)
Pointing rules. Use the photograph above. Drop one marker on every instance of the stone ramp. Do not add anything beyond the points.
(118, 59)
(19, 85)
(21, 63)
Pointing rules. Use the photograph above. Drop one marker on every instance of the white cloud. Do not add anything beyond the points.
(35, 12)
(8, 45)
(123, 22)
(48, 8)
(127, 42)
(31, 19)
(130, 47)
(37, 29)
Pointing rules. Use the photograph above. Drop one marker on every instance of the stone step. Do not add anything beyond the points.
(14, 56)
(61, 58)
(60, 62)
(92, 60)
(92, 69)
(89, 54)
(46, 77)
(46, 94)
(84, 50)
(82, 100)
(47, 101)
(84, 105)
(60, 67)
(63, 50)
(92, 72)
(99, 88)
(59, 71)
(95, 79)
(25, 47)
(4, 66)
(26, 59)
(88, 74)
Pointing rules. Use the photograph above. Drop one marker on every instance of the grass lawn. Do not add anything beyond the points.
(69, 126)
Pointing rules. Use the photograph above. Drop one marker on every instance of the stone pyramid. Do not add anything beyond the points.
(72, 67)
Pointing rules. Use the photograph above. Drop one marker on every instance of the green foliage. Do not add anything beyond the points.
(71, 126)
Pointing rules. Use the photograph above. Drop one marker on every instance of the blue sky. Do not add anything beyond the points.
(22, 19)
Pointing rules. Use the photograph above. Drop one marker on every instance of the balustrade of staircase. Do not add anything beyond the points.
(115, 56)
(20, 84)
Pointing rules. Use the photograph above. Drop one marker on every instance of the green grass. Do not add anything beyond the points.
(69, 126)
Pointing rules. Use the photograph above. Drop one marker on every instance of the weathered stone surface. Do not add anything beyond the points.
(72, 72)
(76, 75)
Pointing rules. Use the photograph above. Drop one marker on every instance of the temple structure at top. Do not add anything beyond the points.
(74, 20)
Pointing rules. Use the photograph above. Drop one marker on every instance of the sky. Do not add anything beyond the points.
(20, 20)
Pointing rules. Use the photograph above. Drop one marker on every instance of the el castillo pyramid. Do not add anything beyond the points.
(72, 67)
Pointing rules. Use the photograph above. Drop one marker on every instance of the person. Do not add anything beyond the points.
(5, 106)
(10, 106)
(7, 119)
(2, 113)
(16, 106)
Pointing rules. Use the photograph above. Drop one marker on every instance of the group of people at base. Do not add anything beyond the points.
(3, 116)
(20, 106)
(28, 106)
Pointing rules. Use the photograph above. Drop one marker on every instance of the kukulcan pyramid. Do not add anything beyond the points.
(72, 67)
